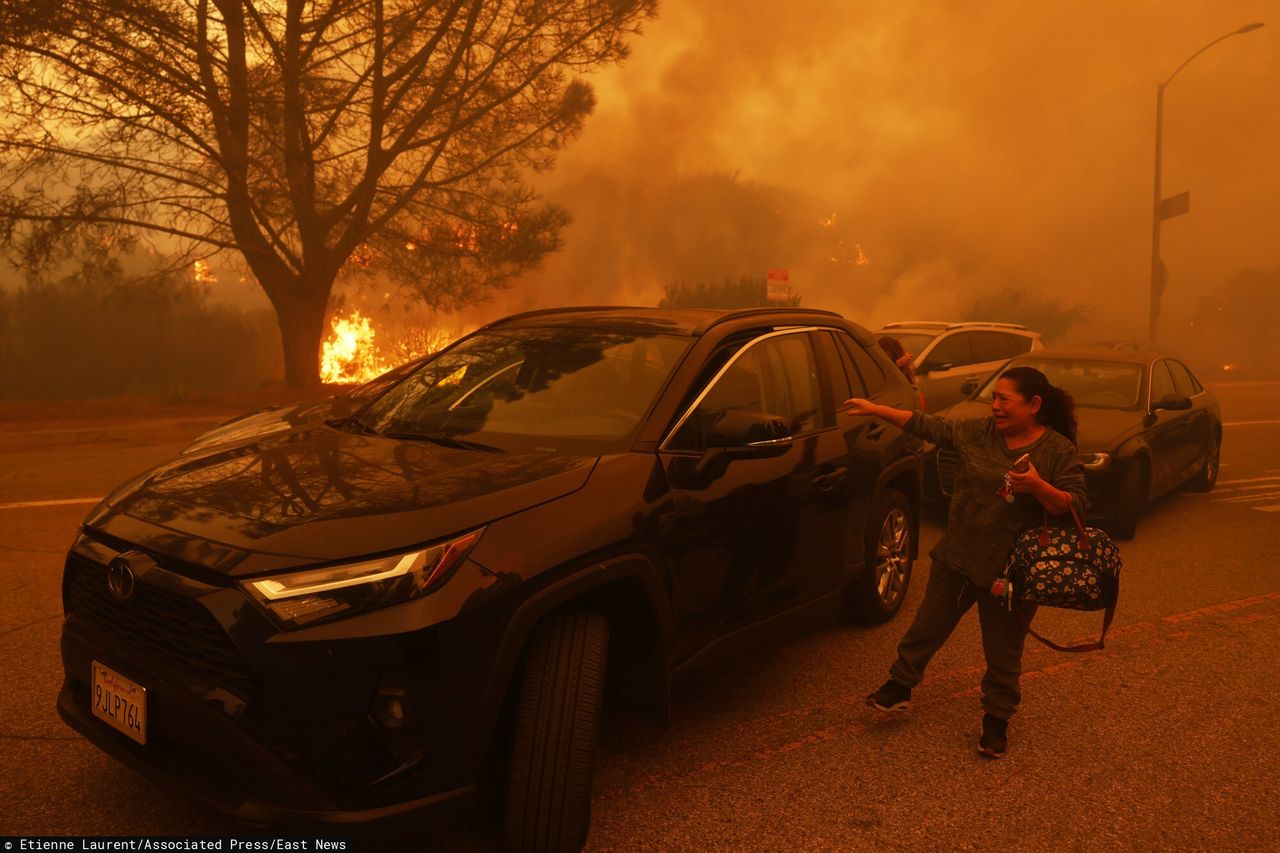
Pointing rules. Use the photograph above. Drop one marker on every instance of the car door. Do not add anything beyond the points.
(1199, 427)
(868, 441)
(754, 537)
(947, 366)
(1169, 432)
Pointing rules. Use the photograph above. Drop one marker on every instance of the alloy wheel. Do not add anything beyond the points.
(892, 556)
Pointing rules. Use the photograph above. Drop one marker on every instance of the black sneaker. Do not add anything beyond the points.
(995, 737)
(891, 696)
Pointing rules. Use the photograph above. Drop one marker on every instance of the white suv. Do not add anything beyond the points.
(952, 359)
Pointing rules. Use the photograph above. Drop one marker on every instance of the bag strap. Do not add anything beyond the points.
(1082, 647)
(1085, 544)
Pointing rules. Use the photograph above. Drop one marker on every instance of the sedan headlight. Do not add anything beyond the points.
(302, 598)
(1095, 461)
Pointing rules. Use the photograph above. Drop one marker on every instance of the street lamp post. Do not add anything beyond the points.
(1162, 209)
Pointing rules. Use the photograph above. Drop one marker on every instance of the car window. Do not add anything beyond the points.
(991, 346)
(1020, 343)
(845, 382)
(1181, 378)
(1161, 382)
(955, 350)
(867, 367)
(777, 376)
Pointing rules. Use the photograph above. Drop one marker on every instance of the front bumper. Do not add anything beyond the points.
(269, 734)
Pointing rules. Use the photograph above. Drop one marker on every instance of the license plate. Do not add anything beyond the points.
(120, 702)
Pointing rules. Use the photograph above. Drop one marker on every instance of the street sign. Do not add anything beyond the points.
(778, 286)
(1174, 205)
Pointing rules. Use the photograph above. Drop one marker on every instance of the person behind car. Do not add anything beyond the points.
(990, 507)
(904, 361)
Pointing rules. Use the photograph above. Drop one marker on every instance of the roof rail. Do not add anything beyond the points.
(918, 324)
(735, 314)
(538, 312)
(984, 324)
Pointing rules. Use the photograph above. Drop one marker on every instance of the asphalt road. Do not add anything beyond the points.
(1168, 739)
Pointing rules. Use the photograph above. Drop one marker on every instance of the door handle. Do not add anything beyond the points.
(827, 482)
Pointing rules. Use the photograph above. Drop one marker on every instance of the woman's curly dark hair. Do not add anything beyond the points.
(1057, 409)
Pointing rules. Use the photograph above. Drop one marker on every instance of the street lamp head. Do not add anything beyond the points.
(1248, 28)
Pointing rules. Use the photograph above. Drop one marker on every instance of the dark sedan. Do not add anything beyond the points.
(1147, 426)
(349, 621)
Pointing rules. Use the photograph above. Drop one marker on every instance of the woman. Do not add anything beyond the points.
(990, 507)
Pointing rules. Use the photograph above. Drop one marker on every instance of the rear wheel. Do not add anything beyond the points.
(880, 589)
(1131, 499)
(557, 727)
(1205, 478)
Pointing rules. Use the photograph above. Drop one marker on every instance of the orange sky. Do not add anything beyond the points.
(966, 143)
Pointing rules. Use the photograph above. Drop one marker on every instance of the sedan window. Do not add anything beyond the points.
(991, 346)
(1181, 378)
(1161, 382)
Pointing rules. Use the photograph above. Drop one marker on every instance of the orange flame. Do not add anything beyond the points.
(352, 354)
(204, 275)
(348, 355)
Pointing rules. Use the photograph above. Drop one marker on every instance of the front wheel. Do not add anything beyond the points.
(557, 728)
(880, 589)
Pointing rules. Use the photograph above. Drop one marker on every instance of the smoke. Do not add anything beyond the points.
(968, 149)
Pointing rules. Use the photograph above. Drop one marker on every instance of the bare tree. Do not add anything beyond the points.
(315, 139)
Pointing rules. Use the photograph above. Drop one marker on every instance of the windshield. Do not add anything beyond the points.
(912, 342)
(548, 389)
(1092, 384)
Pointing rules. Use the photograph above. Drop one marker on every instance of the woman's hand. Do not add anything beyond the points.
(1028, 482)
(907, 358)
(859, 407)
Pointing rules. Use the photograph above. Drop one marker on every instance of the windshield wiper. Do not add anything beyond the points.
(353, 423)
(444, 441)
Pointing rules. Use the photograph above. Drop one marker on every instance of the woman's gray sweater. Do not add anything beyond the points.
(981, 526)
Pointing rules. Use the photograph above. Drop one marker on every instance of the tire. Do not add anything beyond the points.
(1207, 476)
(557, 727)
(881, 587)
(1131, 500)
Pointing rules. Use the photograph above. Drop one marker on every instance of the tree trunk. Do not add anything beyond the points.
(301, 320)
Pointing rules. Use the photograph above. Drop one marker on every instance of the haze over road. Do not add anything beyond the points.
(1168, 739)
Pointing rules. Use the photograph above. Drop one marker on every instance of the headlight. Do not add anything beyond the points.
(301, 598)
(1095, 461)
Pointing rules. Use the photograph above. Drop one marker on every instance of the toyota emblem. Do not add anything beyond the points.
(120, 579)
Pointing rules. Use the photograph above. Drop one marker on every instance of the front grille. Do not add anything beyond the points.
(948, 468)
(157, 625)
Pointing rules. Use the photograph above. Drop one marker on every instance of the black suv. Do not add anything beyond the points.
(349, 621)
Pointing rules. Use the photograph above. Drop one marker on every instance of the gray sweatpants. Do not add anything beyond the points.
(948, 596)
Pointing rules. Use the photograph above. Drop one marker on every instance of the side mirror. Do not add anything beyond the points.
(1172, 402)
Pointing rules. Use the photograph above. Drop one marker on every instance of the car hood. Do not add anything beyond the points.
(325, 494)
(264, 422)
(1099, 430)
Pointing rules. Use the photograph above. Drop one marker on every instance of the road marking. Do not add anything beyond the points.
(1240, 499)
(1253, 488)
(1250, 423)
(1250, 480)
(67, 502)
(1272, 508)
